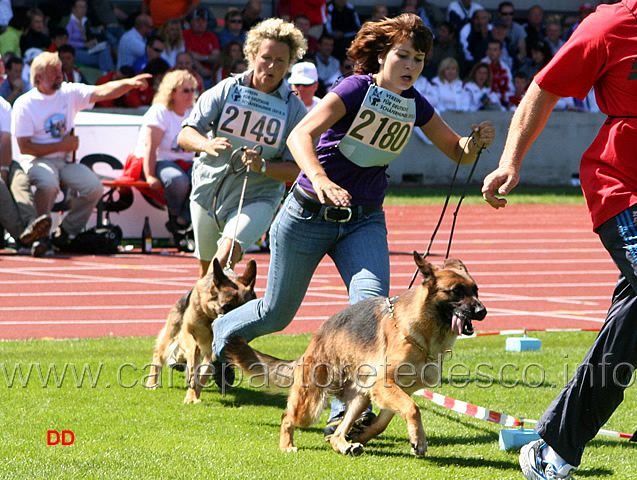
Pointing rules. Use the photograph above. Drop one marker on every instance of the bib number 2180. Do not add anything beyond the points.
(252, 126)
(390, 134)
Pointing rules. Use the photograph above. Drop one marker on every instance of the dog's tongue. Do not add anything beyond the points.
(456, 324)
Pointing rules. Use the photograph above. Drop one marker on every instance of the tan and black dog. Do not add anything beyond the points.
(190, 324)
(379, 350)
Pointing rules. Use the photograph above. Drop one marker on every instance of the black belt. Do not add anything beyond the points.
(330, 212)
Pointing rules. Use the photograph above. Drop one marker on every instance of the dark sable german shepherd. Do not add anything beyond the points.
(379, 350)
(190, 324)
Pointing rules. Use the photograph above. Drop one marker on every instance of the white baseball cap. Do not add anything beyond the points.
(303, 73)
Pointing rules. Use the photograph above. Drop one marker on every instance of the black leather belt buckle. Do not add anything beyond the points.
(337, 214)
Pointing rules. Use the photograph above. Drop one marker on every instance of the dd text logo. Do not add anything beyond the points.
(65, 437)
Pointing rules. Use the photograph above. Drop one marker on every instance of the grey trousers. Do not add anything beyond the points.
(16, 202)
(597, 388)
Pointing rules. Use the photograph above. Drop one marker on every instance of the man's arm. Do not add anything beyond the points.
(117, 88)
(527, 123)
(69, 143)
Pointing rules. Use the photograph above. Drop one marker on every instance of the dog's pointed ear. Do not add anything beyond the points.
(455, 264)
(250, 274)
(425, 268)
(218, 277)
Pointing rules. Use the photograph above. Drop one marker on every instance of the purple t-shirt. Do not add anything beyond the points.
(366, 185)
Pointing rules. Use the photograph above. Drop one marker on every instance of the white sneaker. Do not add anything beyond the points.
(534, 467)
(175, 359)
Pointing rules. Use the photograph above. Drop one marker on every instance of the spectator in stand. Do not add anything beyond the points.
(461, 12)
(157, 67)
(343, 24)
(13, 85)
(69, 71)
(154, 49)
(203, 45)
(315, 10)
(230, 54)
(304, 83)
(233, 29)
(81, 38)
(43, 121)
(445, 45)
(133, 43)
(408, 6)
(173, 39)
(6, 14)
(10, 38)
(430, 15)
(59, 37)
(17, 211)
(35, 35)
(585, 10)
(379, 12)
(126, 71)
(185, 61)
(328, 67)
(554, 35)
(477, 93)
(521, 83)
(498, 32)
(239, 66)
(109, 19)
(476, 36)
(162, 10)
(302, 22)
(29, 56)
(516, 35)
(540, 56)
(165, 165)
(447, 86)
(251, 14)
(534, 27)
(501, 77)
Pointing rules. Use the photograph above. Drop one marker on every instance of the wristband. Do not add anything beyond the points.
(263, 165)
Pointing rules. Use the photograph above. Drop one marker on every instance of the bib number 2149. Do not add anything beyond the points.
(252, 126)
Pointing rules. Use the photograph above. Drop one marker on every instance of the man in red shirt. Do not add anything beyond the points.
(203, 44)
(601, 53)
(501, 78)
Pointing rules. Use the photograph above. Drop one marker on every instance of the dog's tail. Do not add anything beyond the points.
(259, 369)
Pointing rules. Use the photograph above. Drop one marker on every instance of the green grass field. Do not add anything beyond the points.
(123, 430)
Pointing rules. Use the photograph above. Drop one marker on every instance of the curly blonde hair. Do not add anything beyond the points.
(40, 63)
(375, 39)
(171, 82)
(278, 30)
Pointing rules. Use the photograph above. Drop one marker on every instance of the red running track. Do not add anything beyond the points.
(537, 267)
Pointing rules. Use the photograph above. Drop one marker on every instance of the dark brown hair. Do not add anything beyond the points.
(375, 39)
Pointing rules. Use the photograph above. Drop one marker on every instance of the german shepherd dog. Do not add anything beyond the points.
(379, 350)
(190, 324)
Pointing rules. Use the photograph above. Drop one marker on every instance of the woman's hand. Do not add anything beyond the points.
(252, 160)
(330, 193)
(153, 182)
(216, 145)
(483, 133)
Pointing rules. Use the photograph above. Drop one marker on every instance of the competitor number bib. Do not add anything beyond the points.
(380, 130)
(250, 117)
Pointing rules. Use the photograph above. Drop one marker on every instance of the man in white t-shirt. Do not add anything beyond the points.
(304, 83)
(43, 121)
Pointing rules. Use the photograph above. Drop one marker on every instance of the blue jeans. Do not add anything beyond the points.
(299, 241)
(176, 185)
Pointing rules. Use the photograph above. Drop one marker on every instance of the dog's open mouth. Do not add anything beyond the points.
(461, 325)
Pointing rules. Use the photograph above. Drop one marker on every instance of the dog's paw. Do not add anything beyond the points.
(290, 449)
(353, 449)
(420, 449)
(152, 386)
(191, 397)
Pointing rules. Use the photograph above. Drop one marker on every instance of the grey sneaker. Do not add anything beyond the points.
(535, 468)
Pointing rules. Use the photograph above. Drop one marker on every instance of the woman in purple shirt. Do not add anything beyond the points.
(336, 205)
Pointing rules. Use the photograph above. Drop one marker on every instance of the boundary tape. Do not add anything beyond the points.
(482, 413)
